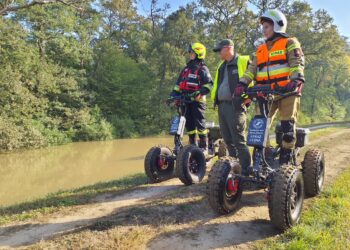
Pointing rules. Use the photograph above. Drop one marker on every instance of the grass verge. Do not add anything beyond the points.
(325, 224)
(325, 131)
(56, 201)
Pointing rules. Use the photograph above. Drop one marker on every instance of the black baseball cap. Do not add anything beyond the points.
(223, 43)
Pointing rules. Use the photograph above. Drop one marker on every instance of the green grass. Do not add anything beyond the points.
(325, 224)
(56, 201)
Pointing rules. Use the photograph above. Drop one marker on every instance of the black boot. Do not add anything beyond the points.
(192, 139)
(285, 156)
(246, 171)
(203, 144)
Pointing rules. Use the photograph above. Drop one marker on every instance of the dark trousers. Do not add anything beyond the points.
(233, 122)
(195, 122)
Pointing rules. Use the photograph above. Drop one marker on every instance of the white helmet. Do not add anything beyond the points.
(278, 18)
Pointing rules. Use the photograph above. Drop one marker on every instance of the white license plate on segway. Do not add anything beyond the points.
(258, 131)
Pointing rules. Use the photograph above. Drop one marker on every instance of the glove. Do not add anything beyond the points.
(246, 99)
(240, 89)
(292, 86)
(197, 96)
(244, 95)
(204, 91)
(247, 102)
(174, 94)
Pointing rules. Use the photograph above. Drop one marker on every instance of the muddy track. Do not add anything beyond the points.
(189, 222)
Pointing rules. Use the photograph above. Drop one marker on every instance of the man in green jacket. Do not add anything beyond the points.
(232, 111)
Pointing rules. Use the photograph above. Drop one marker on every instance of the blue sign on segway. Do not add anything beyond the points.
(258, 131)
(174, 125)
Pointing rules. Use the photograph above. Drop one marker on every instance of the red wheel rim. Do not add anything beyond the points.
(162, 163)
(232, 186)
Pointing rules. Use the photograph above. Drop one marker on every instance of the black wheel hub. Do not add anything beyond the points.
(193, 165)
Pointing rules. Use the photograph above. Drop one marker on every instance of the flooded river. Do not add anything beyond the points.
(33, 174)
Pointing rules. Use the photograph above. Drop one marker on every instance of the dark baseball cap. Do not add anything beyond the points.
(223, 43)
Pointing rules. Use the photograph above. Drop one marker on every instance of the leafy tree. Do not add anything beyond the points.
(98, 69)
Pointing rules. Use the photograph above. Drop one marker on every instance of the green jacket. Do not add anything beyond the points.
(242, 65)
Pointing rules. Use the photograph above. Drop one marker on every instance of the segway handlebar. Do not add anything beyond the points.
(183, 98)
(266, 90)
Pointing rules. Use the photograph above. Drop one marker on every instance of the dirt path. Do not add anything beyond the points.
(22, 234)
(187, 222)
(251, 222)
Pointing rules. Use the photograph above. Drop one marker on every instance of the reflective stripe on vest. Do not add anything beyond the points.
(273, 64)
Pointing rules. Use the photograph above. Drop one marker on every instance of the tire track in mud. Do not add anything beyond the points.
(239, 230)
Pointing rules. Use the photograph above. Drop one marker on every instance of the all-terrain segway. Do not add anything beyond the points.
(286, 185)
(187, 161)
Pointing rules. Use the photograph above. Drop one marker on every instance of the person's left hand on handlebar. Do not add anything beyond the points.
(240, 89)
(292, 86)
(246, 99)
(171, 100)
(168, 101)
(197, 96)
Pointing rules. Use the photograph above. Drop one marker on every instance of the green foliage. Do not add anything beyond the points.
(43, 102)
(123, 89)
(98, 69)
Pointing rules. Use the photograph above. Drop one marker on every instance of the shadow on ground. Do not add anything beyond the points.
(214, 235)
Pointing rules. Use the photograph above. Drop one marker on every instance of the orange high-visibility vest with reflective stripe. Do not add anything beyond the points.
(273, 67)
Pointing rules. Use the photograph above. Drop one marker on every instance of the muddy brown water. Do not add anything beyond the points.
(32, 174)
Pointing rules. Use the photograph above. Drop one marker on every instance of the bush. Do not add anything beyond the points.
(123, 127)
(91, 127)
(15, 136)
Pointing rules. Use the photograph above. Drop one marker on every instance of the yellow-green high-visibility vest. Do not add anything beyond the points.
(242, 65)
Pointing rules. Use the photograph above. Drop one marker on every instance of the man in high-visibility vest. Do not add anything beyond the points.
(279, 62)
(232, 111)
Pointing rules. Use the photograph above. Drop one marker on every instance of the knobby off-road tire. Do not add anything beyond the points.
(155, 172)
(220, 200)
(286, 196)
(313, 172)
(190, 165)
(222, 151)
